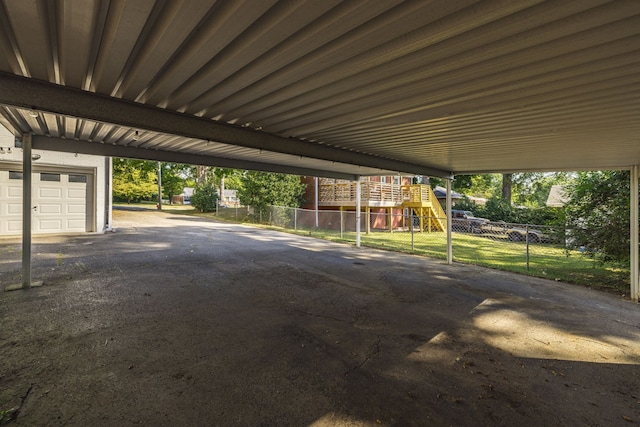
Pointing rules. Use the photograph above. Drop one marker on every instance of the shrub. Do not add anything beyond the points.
(205, 197)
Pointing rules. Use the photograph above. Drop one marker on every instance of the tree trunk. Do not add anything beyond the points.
(201, 173)
(507, 182)
(221, 195)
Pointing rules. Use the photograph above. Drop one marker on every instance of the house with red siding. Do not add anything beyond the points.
(386, 201)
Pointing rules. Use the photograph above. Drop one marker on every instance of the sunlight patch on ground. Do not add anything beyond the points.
(515, 332)
(338, 420)
(436, 350)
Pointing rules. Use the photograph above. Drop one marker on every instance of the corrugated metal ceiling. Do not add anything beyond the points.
(450, 86)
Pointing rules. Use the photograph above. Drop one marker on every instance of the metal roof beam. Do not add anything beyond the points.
(40, 95)
(99, 149)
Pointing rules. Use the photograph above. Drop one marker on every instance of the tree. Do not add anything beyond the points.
(507, 185)
(497, 209)
(176, 176)
(227, 178)
(263, 189)
(205, 196)
(134, 180)
(598, 214)
(483, 185)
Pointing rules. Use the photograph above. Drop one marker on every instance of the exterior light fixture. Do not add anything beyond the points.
(35, 157)
(33, 113)
(136, 136)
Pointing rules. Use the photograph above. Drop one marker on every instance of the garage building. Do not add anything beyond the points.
(71, 192)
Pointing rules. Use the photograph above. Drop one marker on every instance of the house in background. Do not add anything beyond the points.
(184, 198)
(71, 192)
(441, 195)
(557, 196)
(387, 201)
(229, 199)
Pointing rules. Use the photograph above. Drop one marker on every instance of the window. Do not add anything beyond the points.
(15, 175)
(52, 177)
(78, 178)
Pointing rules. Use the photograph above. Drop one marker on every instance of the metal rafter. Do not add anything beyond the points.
(64, 101)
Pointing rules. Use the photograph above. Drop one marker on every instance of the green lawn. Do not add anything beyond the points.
(545, 260)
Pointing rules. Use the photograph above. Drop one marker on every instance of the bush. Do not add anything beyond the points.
(205, 197)
(598, 213)
(497, 209)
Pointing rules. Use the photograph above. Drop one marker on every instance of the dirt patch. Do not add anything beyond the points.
(177, 320)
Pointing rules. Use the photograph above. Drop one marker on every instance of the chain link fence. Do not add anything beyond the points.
(536, 250)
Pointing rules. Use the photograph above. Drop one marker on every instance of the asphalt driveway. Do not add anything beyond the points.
(177, 320)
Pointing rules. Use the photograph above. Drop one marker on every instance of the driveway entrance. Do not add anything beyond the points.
(177, 320)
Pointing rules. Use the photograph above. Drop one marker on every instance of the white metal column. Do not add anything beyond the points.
(108, 191)
(26, 210)
(317, 198)
(635, 284)
(449, 241)
(358, 205)
(159, 207)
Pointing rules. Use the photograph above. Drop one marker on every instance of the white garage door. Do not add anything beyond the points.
(59, 200)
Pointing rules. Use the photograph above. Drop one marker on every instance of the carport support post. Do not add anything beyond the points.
(358, 207)
(159, 207)
(316, 192)
(448, 207)
(26, 210)
(635, 285)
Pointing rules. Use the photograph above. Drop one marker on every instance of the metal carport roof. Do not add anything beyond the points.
(329, 87)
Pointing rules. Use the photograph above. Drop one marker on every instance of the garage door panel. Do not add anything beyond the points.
(76, 225)
(76, 209)
(14, 226)
(49, 193)
(51, 225)
(14, 192)
(77, 193)
(14, 208)
(60, 200)
(50, 209)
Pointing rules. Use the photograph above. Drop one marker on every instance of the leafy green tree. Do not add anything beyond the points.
(233, 179)
(175, 177)
(263, 189)
(134, 180)
(531, 189)
(483, 185)
(598, 214)
(205, 196)
(497, 209)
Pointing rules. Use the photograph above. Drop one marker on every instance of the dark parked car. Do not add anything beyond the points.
(465, 221)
